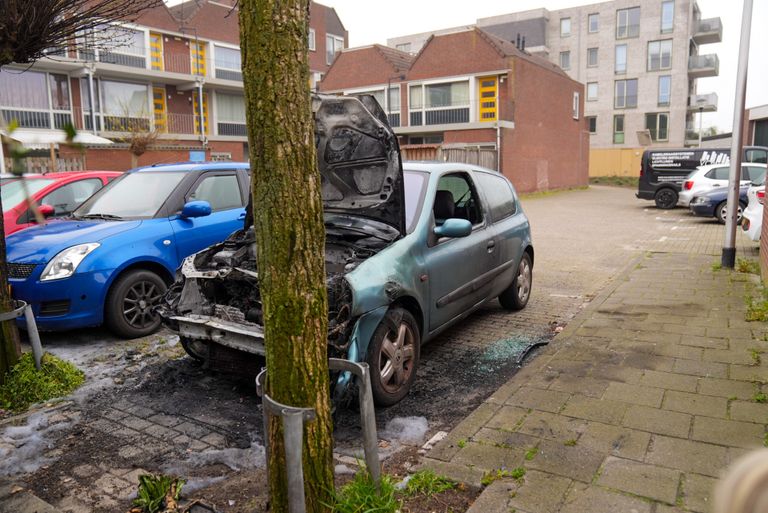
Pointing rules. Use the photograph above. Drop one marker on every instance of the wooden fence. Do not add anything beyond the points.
(476, 155)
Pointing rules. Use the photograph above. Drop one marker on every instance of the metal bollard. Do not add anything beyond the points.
(22, 308)
(293, 430)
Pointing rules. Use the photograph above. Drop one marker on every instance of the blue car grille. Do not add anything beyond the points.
(20, 271)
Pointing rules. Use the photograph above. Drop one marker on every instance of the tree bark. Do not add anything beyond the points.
(290, 235)
(10, 350)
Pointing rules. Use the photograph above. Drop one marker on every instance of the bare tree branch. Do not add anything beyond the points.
(30, 27)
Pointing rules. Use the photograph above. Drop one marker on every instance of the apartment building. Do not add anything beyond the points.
(175, 73)
(471, 96)
(638, 59)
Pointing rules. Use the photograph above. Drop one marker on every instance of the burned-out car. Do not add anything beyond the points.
(410, 250)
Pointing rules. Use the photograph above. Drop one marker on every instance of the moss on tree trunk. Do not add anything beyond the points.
(289, 233)
(9, 336)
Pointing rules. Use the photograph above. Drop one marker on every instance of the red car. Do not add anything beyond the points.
(57, 194)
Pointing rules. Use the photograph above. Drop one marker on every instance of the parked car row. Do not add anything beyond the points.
(408, 252)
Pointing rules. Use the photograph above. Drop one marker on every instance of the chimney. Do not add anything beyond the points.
(517, 42)
(523, 44)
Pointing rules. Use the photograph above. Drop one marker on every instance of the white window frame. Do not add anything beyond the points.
(660, 43)
(588, 118)
(311, 43)
(567, 55)
(472, 101)
(334, 39)
(672, 21)
(596, 53)
(669, 91)
(616, 69)
(616, 96)
(590, 97)
(626, 34)
(658, 117)
(228, 47)
(565, 27)
(590, 17)
(575, 107)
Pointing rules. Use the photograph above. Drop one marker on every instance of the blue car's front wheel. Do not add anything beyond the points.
(129, 310)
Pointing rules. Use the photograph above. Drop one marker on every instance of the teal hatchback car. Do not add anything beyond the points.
(411, 249)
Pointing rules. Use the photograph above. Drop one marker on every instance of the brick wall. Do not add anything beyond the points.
(456, 54)
(547, 149)
(358, 68)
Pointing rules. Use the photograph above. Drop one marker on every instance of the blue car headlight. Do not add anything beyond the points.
(65, 263)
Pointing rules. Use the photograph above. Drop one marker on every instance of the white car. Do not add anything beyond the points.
(707, 178)
(752, 218)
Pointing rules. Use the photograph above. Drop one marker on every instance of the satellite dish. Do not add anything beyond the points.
(644, 137)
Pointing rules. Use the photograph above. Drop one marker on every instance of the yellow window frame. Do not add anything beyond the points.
(488, 93)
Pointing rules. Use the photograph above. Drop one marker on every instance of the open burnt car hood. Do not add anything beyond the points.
(359, 159)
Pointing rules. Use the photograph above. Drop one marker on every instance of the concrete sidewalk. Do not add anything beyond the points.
(637, 406)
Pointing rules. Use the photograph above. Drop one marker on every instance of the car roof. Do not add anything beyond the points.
(437, 166)
(191, 167)
(707, 167)
(63, 174)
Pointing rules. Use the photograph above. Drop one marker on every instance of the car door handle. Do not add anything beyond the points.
(491, 244)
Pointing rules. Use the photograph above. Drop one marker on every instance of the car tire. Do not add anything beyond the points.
(721, 212)
(393, 355)
(516, 296)
(128, 312)
(190, 347)
(666, 198)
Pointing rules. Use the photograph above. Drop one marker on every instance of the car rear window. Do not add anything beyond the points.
(501, 199)
(718, 173)
(12, 191)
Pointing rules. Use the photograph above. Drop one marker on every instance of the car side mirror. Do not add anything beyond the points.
(197, 208)
(453, 227)
(46, 210)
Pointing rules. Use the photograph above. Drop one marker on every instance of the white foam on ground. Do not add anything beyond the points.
(236, 459)
(406, 430)
(196, 483)
(22, 447)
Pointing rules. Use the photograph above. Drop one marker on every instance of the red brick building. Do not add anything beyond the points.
(170, 69)
(471, 96)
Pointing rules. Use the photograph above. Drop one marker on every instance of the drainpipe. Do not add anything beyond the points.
(498, 144)
(92, 98)
(201, 111)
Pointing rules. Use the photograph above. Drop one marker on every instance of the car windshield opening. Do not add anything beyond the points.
(415, 184)
(12, 190)
(134, 195)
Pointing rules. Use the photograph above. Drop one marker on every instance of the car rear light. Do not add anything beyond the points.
(761, 196)
(641, 170)
(688, 185)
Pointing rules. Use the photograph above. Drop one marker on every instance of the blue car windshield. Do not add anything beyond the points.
(415, 184)
(12, 190)
(134, 195)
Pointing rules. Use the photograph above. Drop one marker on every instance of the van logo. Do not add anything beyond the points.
(714, 157)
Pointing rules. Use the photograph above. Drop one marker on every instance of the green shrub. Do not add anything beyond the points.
(361, 496)
(25, 385)
(153, 490)
(427, 483)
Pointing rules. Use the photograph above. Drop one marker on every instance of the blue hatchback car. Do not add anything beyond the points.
(112, 261)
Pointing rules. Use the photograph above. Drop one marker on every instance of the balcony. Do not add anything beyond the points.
(136, 59)
(708, 31)
(45, 119)
(700, 66)
(703, 102)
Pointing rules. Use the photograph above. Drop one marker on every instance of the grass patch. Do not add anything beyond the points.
(760, 397)
(531, 453)
(158, 493)
(616, 181)
(744, 265)
(754, 353)
(495, 475)
(25, 385)
(462, 443)
(570, 442)
(427, 483)
(717, 266)
(757, 307)
(360, 495)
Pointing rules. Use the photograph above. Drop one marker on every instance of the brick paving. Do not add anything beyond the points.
(638, 405)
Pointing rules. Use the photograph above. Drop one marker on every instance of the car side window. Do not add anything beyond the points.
(221, 191)
(498, 193)
(756, 156)
(456, 198)
(755, 174)
(718, 173)
(68, 197)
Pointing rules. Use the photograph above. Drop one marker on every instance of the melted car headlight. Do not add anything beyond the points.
(65, 263)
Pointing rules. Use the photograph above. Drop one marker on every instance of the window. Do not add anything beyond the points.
(667, 16)
(565, 60)
(498, 193)
(230, 114)
(718, 173)
(221, 191)
(759, 156)
(67, 197)
(627, 23)
(618, 129)
(591, 57)
(125, 106)
(441, 103)
(404, 47)
(228, 63)
(29, 98)
(333, 45)
(665, 89)
(393, 100)
(575, 106)
(658, 124)
(454, 94)
(593, 22)
(591, 91)
(565, 27)
(592, 124)
(659, 55)
(754, 174)
(621, 59)
(625, 94)
(311, 40)
(134, 195)
(128, 48)
(456, 198)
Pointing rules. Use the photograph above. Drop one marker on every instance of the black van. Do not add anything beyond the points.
(663, 171)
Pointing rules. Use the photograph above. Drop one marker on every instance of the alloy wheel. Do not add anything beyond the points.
(523, 280)
(396, 358)
(138, 303)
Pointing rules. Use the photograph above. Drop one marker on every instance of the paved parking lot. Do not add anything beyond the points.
(155, 410)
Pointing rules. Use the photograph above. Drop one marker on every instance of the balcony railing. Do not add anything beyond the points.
(394, 119)
(708, 31)
(703, 102)
(234, 129)
(133, 60)
(443, 115)
(703, 66)
(172, 123)
(45, 119)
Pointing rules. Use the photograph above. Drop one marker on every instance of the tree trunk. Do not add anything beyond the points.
(10, 350)
(290, 234)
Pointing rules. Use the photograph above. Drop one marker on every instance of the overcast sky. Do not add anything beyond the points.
(374, 22)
